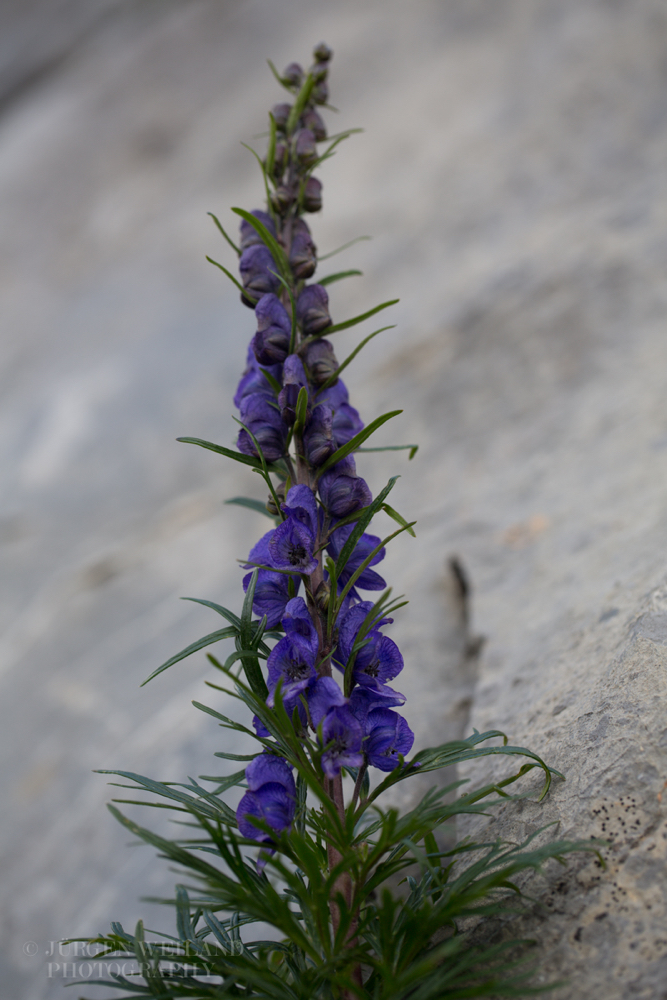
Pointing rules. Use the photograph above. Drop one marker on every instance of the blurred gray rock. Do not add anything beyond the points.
(512, 174)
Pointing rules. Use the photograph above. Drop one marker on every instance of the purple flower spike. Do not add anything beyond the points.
(262, 417)
(274, 329)
(302, 257)
(291, 547)
(342, 491)
(271, 803)
(318, 435)
(249, 236)
(387, 735)
(341, 737)
(299, 627)
(300, 503)
(258, 273)
(312, 310)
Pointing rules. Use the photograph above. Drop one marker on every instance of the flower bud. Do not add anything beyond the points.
(322, 52)
(320, 361)
(312, 310)
(271, 504)
(312, 120)
(282, 198)
(249, 236)
(258, 268)
(303, 252)
(323, 596)
(293, 75)
(321, 92)
(294, 379)
(280, 114)
(318, 436)
(312, 195)
(274, 328)
(305, 148)
(319, 71)
(279, 160)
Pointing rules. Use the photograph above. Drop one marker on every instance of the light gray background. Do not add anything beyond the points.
(512, 174)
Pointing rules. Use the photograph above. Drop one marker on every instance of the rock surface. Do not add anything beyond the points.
(512, 174)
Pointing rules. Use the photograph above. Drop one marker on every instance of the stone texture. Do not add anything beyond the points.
(513, 176)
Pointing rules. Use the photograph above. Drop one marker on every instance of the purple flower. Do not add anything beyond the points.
(253, 379)
(341, 739)
(291, 547)
(249, 236)
(387, 735)
(341, 490)
(299, 627)
(280, 114)
(293, 75)
(274, 329)
(267, 767)
(346, 420)
(272, 589)
(369, 579)
(349, 625)
(258, 273)
(364, 699)
(318, 436)
(271, 803)
(312, 310)
(323, 694)
(294, 379)
(302, 255)
(300, 503)
(312, 195)
(320, 361)
(261, 416)
(305, 148)
(313, 121)
(293, 665)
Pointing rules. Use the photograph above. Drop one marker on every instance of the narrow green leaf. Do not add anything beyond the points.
(271, 151)
(246, 641)
(354, 443)
(357, 319)
(273, 382)
(332, 378)
(332, 253)
(233, 245)
(414, 448)
(330, 278)
(231, 277)
(269, 241)
(262, 168)
(367, 561)
(235, 756)
(207, 640)
(301, 410)
(279, 77)
(398, 518)
(228, 453)
(300, 103)
(225, 612)
(251, 504)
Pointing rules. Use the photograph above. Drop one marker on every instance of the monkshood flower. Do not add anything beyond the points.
(318, 436)
(294, 379)
(368, 579)
(258, 274)
(261, 416)
(299, 627)
(341, 490)
(386, 735)
(303, 252)
(312, 195)
(280, 114)
(254, 380)
(313, 121)
(271, 797)
(292, 666)
(274, 328)
(346, 420)
(312, 310)
(320, 361)
(272, 589)
(341, 737)
(249, 236)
